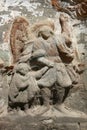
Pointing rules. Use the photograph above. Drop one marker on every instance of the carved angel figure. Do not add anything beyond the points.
(44, 64)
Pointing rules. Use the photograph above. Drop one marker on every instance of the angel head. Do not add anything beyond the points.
(43, 29)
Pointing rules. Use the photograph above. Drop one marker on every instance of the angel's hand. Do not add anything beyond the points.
(38, 53)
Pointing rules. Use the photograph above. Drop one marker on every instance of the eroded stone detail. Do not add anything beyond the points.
(77, 8)
(45, 67)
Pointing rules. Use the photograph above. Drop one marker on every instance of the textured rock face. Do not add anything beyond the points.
(79, 8)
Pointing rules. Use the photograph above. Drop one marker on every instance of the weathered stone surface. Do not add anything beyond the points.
(83, 126)
(76, 100)
(78, 7)
(64, 126)
(1, 63)
(38, 123)
(43, 49)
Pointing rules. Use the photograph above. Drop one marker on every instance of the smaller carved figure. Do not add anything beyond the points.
(23, 86)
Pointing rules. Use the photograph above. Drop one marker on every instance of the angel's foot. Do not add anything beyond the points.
(69, 112)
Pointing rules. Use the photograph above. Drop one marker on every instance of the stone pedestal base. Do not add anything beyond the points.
(15, 122)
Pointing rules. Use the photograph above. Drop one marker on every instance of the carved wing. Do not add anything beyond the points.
(18, 36)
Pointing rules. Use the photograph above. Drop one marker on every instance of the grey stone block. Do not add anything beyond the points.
(64, 126)
(83, 126)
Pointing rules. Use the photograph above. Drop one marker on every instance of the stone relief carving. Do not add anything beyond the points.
(45, 66)
(18, 36)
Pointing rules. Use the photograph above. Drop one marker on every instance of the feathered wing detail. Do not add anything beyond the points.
(18, 36)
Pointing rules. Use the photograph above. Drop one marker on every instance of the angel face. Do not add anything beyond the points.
(45, 32)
